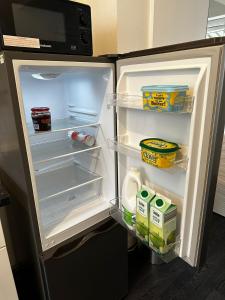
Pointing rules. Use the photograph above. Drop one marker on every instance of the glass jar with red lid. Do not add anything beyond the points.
(41, 118)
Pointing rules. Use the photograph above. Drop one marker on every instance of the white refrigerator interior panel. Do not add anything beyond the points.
(7, 285)
(191, 130)
(72, 182)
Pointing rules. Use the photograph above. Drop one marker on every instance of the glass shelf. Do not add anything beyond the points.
(136, 102)
(63, 125)
(119, 214)
(121, 145)
(58, 149)
(59, 212)
(63, 177)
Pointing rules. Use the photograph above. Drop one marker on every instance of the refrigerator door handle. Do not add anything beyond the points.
(60, 253)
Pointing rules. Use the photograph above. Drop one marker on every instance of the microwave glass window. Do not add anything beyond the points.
(39, 23)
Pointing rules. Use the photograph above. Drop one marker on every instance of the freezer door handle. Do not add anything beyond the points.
(72, 247)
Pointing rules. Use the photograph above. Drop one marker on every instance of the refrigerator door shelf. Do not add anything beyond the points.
(122, 145)
(125, 100)
(59, 149)
(62, 178)
(63, 125)
(119, 214)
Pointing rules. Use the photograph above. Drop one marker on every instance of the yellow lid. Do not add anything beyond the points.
(159, 145)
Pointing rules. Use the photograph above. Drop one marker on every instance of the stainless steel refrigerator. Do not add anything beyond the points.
(64, 192)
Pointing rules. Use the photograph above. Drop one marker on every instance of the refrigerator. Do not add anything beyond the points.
(65, 194)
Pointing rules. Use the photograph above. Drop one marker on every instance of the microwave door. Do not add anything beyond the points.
(70, 168)
(46, 26)
(197, 127)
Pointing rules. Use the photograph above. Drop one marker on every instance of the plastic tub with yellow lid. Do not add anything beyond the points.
(158, 152)
(164, 98)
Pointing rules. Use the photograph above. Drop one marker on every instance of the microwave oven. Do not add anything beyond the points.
(52, 26)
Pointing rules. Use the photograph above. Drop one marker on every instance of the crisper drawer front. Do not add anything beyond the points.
(92, 267)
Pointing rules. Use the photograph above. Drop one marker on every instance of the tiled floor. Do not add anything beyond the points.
(177, 280)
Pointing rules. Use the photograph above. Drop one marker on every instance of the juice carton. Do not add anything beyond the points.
(162, 232)
(144, 197)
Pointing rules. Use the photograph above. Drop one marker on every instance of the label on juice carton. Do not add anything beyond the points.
(144, 197)
(162, 233)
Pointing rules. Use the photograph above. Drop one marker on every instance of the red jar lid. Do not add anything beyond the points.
(39, 109)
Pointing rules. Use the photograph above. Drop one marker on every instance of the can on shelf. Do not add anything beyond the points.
(41, 118)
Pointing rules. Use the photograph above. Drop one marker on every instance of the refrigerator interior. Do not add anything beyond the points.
(181, 183)
(72, 182)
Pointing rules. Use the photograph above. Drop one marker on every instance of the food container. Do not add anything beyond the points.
(41, 118)
(159, 153)
(82, 137)
(164, 98)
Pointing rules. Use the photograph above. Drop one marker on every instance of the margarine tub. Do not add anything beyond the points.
(159, 153)
(170, 98)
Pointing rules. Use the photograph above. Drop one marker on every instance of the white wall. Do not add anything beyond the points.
(216, 8)
(151, 23)
(126, 25)
(177, 21)
(133, 25)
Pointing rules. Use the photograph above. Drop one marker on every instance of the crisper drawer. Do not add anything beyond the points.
(92, 267)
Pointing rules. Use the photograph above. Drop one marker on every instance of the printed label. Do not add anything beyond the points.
(150, 158)
(19, 41)
(159, 99)
(142, 208)
(156, 217)
(36, 126)
(128, 217)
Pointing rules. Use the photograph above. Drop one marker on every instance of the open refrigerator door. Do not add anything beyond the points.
(186, 182)
(66, 124)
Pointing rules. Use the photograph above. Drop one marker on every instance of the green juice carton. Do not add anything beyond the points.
(162, 224)
(144, 197)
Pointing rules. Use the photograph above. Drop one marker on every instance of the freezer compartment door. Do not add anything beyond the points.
(71, 168)
(196, 126)
(92, 267)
